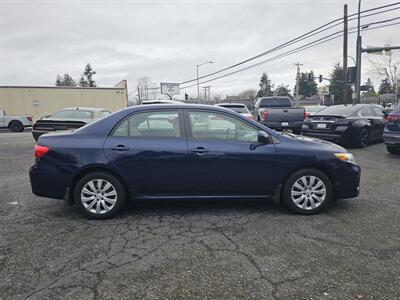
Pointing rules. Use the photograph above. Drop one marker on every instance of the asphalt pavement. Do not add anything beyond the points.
(200, 249)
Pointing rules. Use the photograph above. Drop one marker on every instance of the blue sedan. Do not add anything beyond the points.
(188, 151)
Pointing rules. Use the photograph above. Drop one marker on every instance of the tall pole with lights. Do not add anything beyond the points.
(197, 73)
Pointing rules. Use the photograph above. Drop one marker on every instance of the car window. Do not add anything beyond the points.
(105, 113)
(215, 126)
(74, 114)
(378, 111)
(366, 111)
(150, 124)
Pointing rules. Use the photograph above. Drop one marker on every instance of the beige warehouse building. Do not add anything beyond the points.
(40, 101)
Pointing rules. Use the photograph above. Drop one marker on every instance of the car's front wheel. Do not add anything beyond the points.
(100, 195)
(307, 191)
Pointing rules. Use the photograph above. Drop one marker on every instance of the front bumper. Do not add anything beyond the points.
(391, 138)
(347, 181)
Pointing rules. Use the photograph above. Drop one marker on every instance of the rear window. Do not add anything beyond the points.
(276, 102)
(237, 108)
(73, 114)
(336, 110)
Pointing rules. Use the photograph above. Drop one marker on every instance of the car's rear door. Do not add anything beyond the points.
(149, 150)
(221, 159)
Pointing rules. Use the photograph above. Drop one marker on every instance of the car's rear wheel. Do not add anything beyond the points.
(363, 138)
(16, 126)
(392, 149)
(307, 191)
(100, 195)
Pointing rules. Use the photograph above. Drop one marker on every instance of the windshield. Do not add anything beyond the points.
(73, 114)
(237, 108)
(276, 102)
(336, 110)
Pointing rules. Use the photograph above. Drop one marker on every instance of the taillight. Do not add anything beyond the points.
(40, 151)
(393, 118)
(306, 114)
(29, 118)
(250, 117)
(264, 115)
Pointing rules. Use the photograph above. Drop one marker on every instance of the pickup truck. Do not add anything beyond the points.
(278, 113)
(14, 123)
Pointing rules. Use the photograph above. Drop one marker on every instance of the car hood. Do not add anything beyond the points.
(320, 144)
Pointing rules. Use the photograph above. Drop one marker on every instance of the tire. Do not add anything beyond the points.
(392, 149)
(296, 131)
(16, 126)
(363, 138)
(303, 200)
(100, 186)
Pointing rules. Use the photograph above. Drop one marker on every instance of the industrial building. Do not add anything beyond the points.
(39, 101)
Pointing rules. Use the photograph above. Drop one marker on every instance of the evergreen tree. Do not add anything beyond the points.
(336, 85)
(266, 86)
(87, 77)
(307, 85)
(369, 88)
(385, 87)
(282, 90)
(66, 80)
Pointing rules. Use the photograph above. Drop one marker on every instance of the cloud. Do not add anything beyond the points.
(166, 39)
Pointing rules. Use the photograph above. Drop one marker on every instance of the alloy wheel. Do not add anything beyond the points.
(98, 196)
(308, 192)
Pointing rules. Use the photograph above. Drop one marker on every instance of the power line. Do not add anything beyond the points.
(306, 35)
(298, 49)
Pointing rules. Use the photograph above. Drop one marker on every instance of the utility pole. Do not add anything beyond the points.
(358, 57)
(298, 82)
(345, 34)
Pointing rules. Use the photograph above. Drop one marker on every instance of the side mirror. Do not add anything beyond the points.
(263, 137)
(385, 114)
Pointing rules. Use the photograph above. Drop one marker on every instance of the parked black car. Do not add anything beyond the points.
(355, 125)
(391, 133)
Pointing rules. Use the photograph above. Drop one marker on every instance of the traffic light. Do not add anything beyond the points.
(186, 96)
(351, 74)
(320, 78)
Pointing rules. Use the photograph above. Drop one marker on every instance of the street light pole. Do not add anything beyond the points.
(197, 76)
(358, 57)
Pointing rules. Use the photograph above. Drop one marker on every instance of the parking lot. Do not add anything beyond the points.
(200, 249)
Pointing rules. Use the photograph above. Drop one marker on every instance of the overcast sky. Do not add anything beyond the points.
(164, 40)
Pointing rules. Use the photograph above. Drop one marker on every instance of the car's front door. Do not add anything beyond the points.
(149, 149)
(222, 160)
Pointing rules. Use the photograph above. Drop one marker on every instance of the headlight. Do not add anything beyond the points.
(347, 157)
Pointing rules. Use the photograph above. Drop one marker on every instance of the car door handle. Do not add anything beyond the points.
(120, 148)
(200, 150)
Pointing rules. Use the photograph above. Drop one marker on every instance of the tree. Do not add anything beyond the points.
(86, 78)
(142, 87)
(248, 94)
(389, 69)
(369, 89)
(66, 80)
(307, 84)
(282, 90)
(386, 87)
(266, 86)
(336, 84)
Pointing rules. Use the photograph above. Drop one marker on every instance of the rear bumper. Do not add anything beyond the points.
(278, 125)
(329, 136)
(47, 184)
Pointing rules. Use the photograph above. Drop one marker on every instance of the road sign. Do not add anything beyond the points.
(324, 90)
(170, 89)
